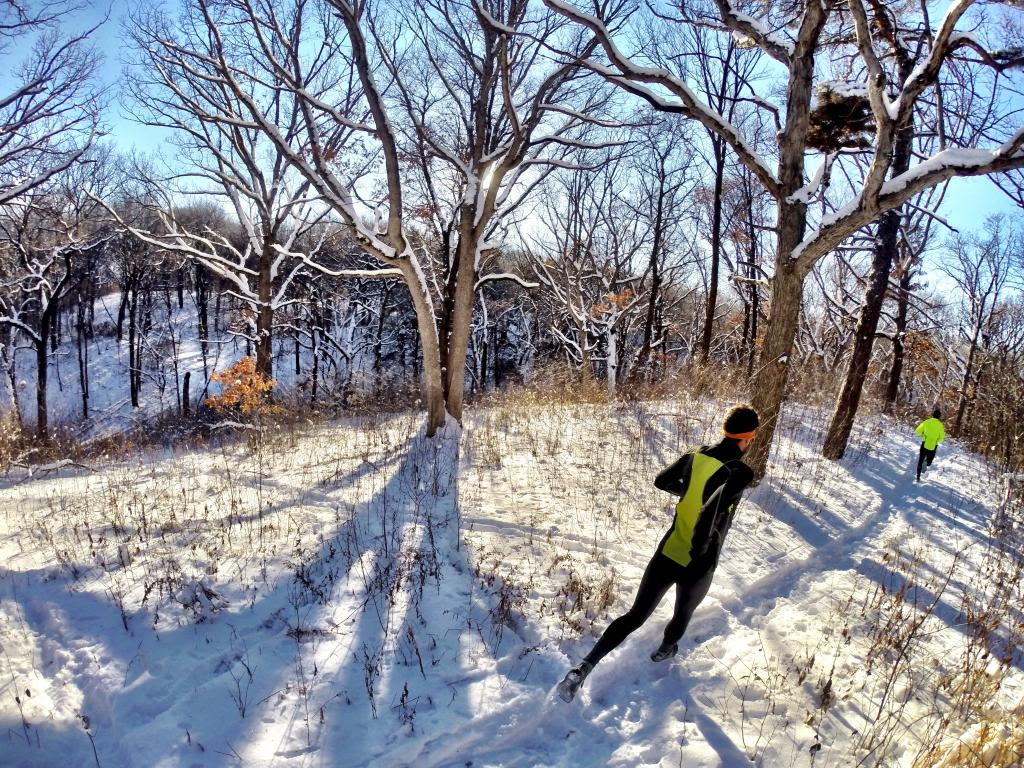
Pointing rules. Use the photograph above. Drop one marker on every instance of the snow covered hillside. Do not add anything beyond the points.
(356, 594)
(167, 352)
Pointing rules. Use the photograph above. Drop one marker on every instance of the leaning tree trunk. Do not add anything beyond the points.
(965, 383)
(769, 385)
(848, 399)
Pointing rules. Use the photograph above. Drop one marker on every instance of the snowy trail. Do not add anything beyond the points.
(757, 598)
(627, 681)
(425, 622)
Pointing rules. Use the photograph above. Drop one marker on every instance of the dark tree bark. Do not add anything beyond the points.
(716, 251)
(132, 364)
(82, 342)
(848, 400)
(265, 312)
(899, 335)
(643, 356)
(42, 368)
(203, 311)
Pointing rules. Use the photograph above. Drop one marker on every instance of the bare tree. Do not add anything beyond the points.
(997, 422)
(748, 217)
(492, 113)
(721, 69)
(223, 155)
(50, 114)
(664, 183)
(584, 261)
(980, 267)
(918, 230)
(798, 51)
(43, 232)
(94, 174)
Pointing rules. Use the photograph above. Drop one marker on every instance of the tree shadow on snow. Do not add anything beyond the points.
(366, 648)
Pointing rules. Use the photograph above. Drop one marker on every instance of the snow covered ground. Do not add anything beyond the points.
(357, 594)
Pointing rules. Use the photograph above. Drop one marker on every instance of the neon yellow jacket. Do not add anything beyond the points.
(679, 542)
(932, 431)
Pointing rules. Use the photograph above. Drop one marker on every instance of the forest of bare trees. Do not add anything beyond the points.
(422, 202)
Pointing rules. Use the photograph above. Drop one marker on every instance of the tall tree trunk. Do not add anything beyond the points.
(42, 369)
(82, 337)
(965, 382)
(769, 384)
(481, 367)
(886, 249)
(899, 336)
(753, 305)
(586, 367)
(716, 251)
(9, 356)
(377, 351)
(122, 307)
(217, 324)
(427, 341)
(133, 362)
(55, 334)
(640, 368)
(848, 399)
(92, 310)
(463, 300)
(611, 361)
(203, 312)
(496, 357)
(316, 354)
(265, 313)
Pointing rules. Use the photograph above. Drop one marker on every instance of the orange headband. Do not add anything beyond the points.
(740, 435)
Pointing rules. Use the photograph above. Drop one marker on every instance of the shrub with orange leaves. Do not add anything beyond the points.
(612, 301)
(244, 390)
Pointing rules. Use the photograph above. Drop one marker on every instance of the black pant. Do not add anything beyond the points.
(925, 455)
(692, 583)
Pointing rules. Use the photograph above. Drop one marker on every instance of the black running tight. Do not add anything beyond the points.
(662, 572)
(923, 456)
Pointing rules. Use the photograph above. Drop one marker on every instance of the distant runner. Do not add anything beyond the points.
(933, 433)
(709, 482)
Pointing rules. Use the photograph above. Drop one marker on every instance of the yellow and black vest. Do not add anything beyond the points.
(679, 542)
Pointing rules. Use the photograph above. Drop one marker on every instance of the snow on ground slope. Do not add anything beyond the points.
(358, 594)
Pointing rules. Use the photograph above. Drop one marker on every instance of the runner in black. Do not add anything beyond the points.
(709, 482)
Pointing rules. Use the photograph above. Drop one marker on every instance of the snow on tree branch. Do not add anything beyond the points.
(779, 48)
